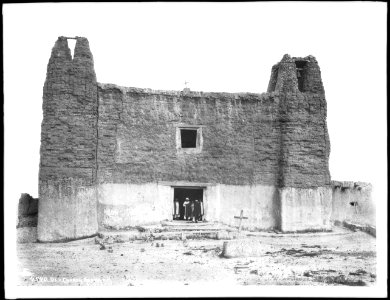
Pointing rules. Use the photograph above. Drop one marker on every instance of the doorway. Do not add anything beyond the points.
(179, 196)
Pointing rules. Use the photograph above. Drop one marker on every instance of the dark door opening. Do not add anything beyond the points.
(179, 197)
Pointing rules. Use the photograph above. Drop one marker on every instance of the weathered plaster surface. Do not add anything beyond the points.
(352, 201)
(68, 210)
(269, 139)
(125, 205)
(260, 204)
(306, 209)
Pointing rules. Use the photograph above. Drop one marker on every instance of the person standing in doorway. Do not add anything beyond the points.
(187, 207)
(192, 208)
(177, 210)
(197, 211)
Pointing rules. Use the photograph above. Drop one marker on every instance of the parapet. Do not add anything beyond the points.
(188, 93)
(344, 185)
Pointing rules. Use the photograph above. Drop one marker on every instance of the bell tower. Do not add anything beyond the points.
(67, 173)
(304, 177)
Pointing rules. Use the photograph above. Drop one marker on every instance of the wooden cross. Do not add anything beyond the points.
(240, 217)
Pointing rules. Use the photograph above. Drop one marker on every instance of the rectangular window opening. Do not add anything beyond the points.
(188, 138)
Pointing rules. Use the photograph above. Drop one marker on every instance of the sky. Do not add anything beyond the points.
(228, 47)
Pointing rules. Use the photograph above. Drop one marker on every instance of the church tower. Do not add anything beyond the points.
(304, 177)
(67, 175)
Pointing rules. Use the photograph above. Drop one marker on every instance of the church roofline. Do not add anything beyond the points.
(189, 93)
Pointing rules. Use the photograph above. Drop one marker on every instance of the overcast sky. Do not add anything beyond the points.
(227, 47)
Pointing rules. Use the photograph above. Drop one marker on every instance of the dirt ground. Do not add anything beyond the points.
(347, 258)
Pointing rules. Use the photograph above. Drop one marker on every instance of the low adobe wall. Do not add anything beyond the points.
(352, 201)
(27, 219)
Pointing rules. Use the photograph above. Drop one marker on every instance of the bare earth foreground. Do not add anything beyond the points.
(338, 258)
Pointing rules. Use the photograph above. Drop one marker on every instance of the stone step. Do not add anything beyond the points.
(186, 223)
(118, 236)
(169, 226)
(194, 228)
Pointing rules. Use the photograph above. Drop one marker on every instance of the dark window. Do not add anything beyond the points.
(300, 73)
(188, 138)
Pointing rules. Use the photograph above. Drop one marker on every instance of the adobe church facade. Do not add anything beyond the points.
(116, 157)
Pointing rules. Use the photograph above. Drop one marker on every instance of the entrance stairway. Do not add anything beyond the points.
(172, 230)
(185, 230)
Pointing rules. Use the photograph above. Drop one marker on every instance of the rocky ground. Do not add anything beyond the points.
(338, 258)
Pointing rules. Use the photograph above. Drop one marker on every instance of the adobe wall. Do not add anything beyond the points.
(137, 136)
(105, 149)
(250, 141)
(28, 206)
(305, 145)
(67, 173)
(306, 209)
(126, 205)
(352, 202)
(267, 139)
(260, 204)
(26, 227)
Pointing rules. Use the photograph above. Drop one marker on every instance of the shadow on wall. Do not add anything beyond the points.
(352, 202)
(276, 210)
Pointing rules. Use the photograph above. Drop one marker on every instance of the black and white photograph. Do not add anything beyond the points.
(195, 149)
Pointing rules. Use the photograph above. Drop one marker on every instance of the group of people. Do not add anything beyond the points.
(193, 210)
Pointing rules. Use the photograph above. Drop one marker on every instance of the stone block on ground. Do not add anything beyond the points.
(242, 248)
(223, 235)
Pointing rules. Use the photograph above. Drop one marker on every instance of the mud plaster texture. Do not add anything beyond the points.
(275, 138)
(67, 206)
(352, 202)
(97, 136)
